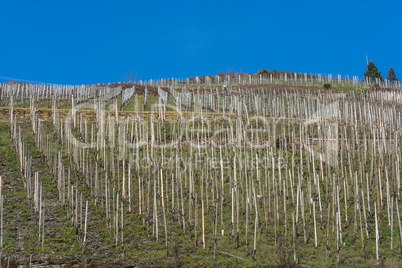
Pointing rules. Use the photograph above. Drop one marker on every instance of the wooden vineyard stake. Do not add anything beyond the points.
(85, 226)
(256, 225)
(122, 227)
(43, 225)
(164, 215)
(139, 196)
(315, 227)
(377, 235)
(392, 226)
(203, 225)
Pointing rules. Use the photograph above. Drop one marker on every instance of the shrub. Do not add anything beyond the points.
(375, 87)
(327, 86)
(263, 71)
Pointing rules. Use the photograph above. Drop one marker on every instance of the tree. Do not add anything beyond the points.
(392, 76)
(372, 72)
(131, 78)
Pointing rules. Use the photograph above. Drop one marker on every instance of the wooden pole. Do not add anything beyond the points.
(203, 226)
(164, 215)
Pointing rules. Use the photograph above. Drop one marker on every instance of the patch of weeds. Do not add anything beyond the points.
(59, 211)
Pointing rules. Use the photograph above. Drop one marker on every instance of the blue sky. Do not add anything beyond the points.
(85, 42)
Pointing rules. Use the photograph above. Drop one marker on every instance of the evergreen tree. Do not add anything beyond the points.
(372, 72)
(392, 76)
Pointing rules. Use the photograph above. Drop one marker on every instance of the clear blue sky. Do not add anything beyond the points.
(74, 42)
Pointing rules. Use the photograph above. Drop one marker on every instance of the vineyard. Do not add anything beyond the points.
(253, 172)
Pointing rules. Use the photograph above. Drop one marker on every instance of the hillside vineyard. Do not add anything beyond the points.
(213, 171)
